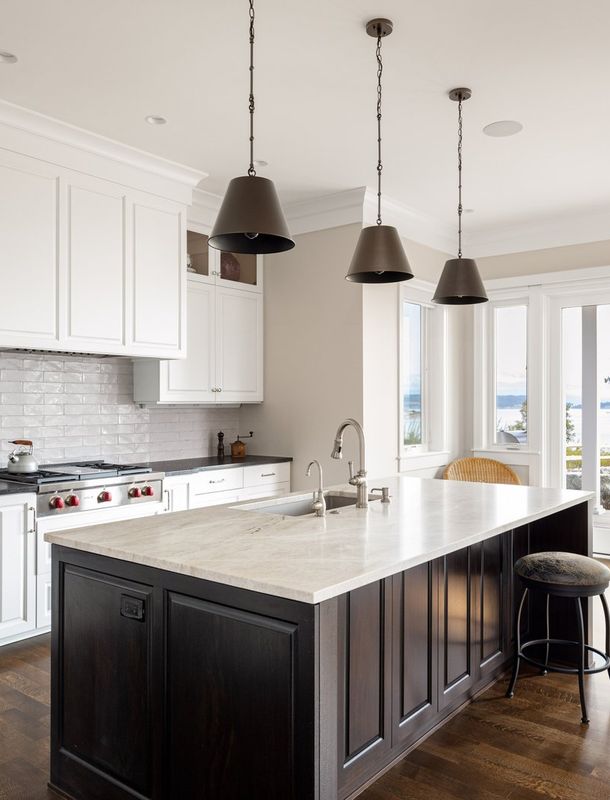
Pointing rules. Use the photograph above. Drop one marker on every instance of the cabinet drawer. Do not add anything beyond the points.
(217, 480)
(43, 555)
(266, 474)
(268, 490)
(206, 499)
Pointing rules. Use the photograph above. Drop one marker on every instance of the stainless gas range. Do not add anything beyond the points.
(78, 488)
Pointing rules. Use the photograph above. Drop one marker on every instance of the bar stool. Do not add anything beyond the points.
(563, 575)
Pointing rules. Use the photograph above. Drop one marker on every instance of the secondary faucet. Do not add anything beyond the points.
(359, 479)
(319, 502)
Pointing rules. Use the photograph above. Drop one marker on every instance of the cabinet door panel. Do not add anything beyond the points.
(28, 253)
(456, 608)
(159, 277)
(96, 225)
(364, 689)
(105, 681)
(228, 736)
(17, 575)
(239, 345)
(493, 617)
(194, 377)
(415, 652)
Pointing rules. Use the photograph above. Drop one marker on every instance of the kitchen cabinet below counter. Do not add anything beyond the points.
(197, 483)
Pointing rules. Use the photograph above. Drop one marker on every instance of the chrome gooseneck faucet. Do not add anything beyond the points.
(359, 478)
(319, 502)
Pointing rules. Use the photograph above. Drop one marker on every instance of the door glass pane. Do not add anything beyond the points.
(197, 261)
(603, 361)
(239, 267)
(511, 374)
(571, 332)
(411, 374)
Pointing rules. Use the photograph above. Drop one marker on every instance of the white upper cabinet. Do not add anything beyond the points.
(96, 234)
(92, 242)
(28, 252)
(158, 278)
(239, 345)
(224, 362)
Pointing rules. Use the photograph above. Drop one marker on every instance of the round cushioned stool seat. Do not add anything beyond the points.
(563, 573)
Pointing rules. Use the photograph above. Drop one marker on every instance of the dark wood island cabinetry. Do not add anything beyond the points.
(167, 686)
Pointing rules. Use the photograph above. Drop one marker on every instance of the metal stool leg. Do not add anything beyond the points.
(581, 666)
(548, 635)
(607, 618)
(511, 687)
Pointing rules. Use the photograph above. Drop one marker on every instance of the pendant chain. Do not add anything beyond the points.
(459, 153)
(251, 170)
(379, 163)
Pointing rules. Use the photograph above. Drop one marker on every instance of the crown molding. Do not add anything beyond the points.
(411, 224)
(359, 206)
(560, 231)
(204, 208)
(31, 133)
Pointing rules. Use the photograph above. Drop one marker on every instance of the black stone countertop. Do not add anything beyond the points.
(183, 466)
(6, 487)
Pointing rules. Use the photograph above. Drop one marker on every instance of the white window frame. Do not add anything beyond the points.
(432, 452)
(546, 293)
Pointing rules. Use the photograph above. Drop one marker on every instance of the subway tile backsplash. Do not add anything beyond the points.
(75, 408)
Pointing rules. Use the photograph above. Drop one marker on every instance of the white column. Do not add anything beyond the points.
(590, 403)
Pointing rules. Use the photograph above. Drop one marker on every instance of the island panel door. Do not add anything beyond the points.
(492, 635)
(231, 703)
(456, 593)
(105, 690)
(414, 629)
(364, 682)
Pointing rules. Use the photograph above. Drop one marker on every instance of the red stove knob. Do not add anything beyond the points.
(135, 491)
(104, 497)
(148, 491)
(56, 503)
(72, 500)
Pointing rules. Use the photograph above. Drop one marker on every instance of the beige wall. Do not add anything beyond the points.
(313, 354)
(578, 256)
(331, 351)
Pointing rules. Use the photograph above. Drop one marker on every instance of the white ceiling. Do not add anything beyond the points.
(105, 65)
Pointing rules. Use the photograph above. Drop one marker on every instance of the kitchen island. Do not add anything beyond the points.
(236, 653)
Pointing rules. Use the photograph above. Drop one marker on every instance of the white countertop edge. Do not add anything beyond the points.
(311, 598)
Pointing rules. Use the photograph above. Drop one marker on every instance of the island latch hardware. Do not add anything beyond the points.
(132, 607)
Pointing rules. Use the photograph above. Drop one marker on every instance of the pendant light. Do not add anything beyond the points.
(379, 256)
(460, 283)
(251, 219)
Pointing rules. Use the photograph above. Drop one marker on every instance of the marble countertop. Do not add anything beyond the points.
(184, 466)
(312, 559)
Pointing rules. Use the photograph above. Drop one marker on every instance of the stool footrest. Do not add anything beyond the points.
(556, 668)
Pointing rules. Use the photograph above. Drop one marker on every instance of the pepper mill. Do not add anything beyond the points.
(221, 445)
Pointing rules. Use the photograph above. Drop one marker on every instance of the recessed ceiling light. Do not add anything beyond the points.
(260, 163)
(469, 211)
(504, 127)
(7, 58)
(153, 119)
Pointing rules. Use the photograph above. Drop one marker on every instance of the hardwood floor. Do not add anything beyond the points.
(529, 748)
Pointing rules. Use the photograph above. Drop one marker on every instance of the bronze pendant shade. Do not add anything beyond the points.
(379, 257)
(460, 283)
(251, 219)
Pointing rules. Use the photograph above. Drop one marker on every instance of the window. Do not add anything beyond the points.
(411, 375)
(510, 386)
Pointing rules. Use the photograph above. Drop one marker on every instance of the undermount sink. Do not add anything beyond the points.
(302, 505)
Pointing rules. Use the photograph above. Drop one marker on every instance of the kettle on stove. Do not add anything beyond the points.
(21, 460)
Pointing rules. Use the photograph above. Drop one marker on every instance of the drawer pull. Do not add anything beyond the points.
(220, 480)
(267, 474)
